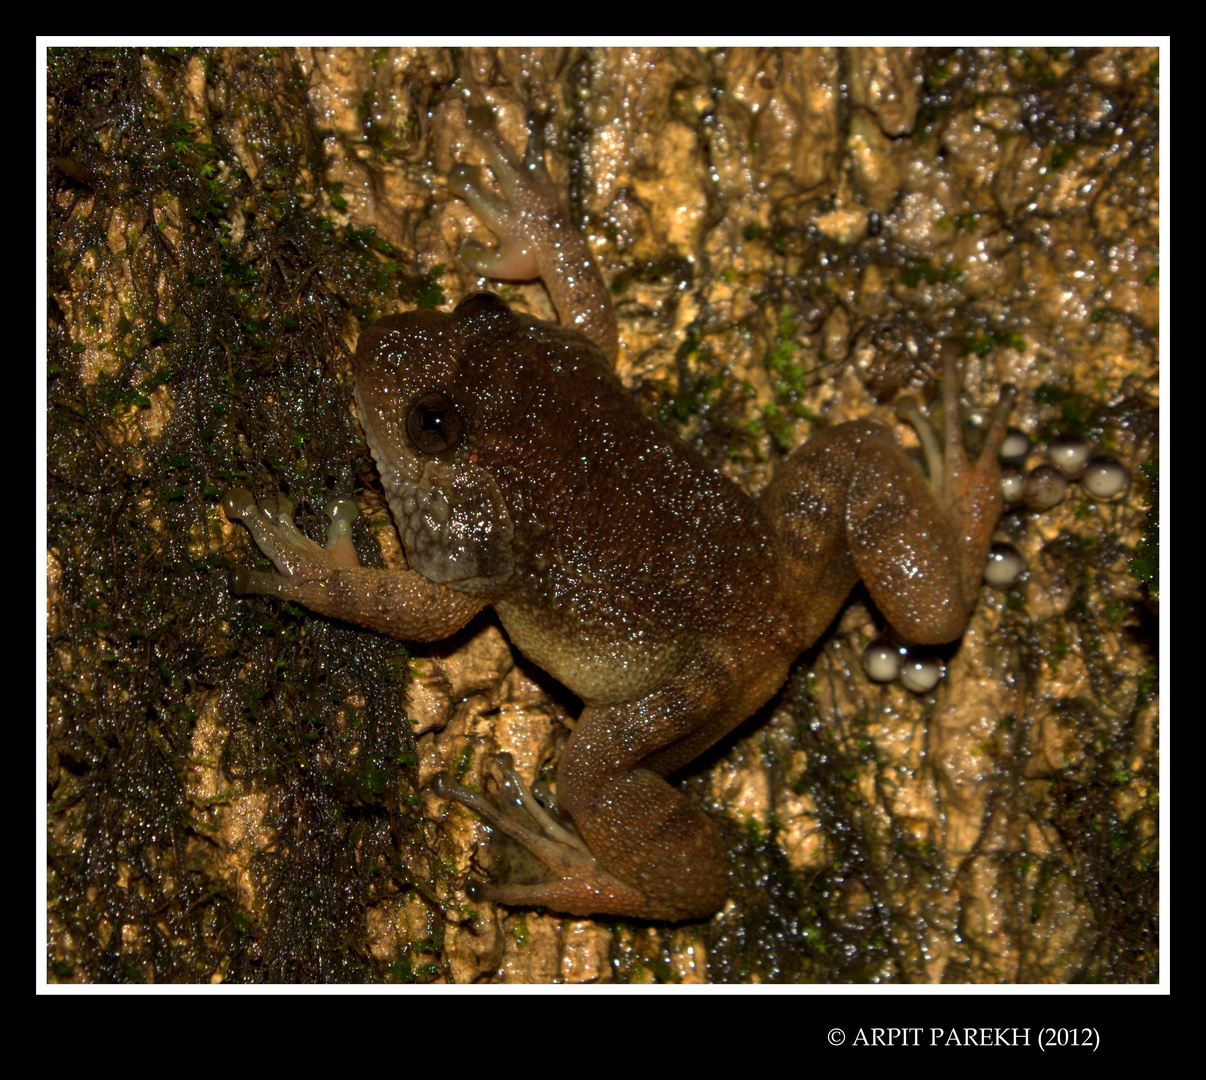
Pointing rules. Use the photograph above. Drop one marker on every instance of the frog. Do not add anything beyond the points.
(523, 476)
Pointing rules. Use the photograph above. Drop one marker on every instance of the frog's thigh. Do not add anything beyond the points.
(879, 509)
(905, 546)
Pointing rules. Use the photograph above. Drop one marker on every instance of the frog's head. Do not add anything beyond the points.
(466, 415)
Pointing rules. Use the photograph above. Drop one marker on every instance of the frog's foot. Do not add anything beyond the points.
(538, 239)
(292, 553)
(969, 491)
(578, 884)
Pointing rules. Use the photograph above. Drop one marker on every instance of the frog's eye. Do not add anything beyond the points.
(434, 423)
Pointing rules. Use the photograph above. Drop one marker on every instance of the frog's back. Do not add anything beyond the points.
(631, 551)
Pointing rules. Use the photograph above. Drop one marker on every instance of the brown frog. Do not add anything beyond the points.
(522, 476)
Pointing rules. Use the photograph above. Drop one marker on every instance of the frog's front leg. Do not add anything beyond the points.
(331, 580)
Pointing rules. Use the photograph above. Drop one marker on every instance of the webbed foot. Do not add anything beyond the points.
(969, 491)
(576, 884)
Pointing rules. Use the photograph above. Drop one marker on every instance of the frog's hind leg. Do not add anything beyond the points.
(641, 848)
(578, 885)
(537, 236)
(969, 491)
(850, 504)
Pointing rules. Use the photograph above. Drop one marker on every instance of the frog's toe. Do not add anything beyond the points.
(341, 512)
(573, 880)
(270, 523)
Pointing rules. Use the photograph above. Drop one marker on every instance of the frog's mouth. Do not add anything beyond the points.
(451, 517)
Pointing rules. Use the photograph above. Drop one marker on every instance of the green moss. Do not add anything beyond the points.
(1145, 562)
(979, 341)
(1077, 412)
(148, 621)
(1061, 155)
(924, 271)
